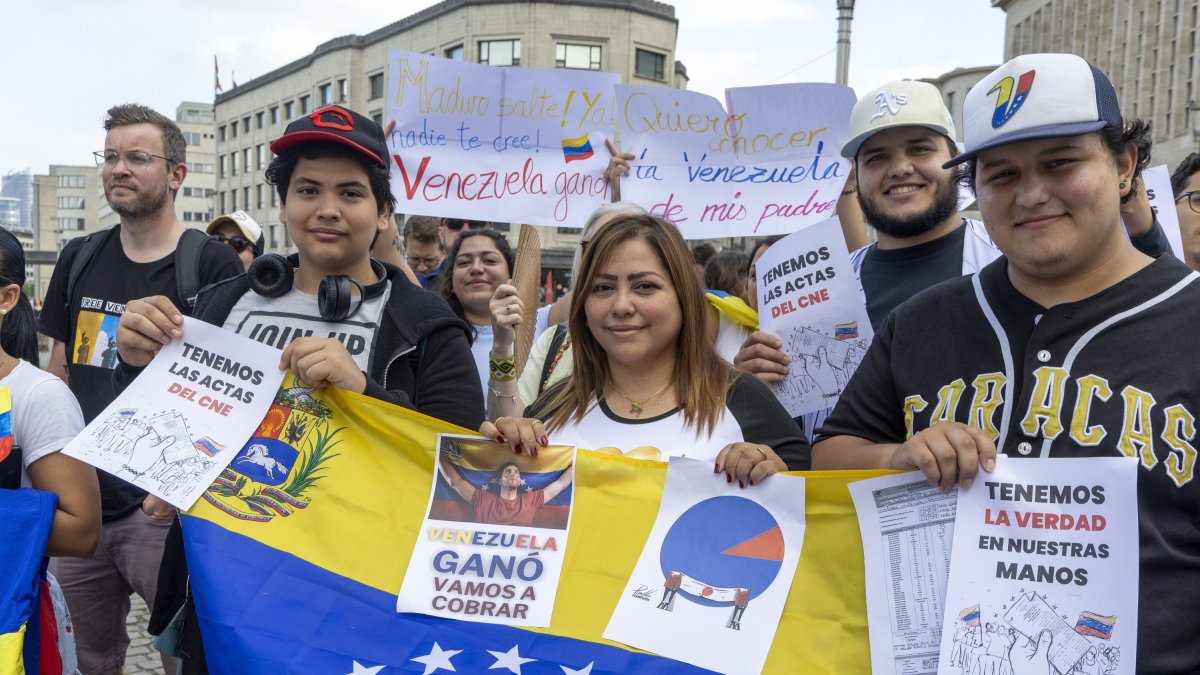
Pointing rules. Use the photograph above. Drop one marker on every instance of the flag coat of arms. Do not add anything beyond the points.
(295, 567)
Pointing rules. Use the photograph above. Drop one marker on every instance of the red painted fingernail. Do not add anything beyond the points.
(741, 485)
(518, 449)
(500, 439)
(716, 468)
(751, 481)
(544, 441)
(728, 478)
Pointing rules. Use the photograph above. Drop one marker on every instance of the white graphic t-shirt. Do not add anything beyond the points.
(279, 321)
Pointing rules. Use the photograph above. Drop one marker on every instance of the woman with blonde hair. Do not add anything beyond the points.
(646, 374)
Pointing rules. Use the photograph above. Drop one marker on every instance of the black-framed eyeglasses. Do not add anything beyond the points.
(1193, 199)
(414, 261)
(134, 160)
(239, 244)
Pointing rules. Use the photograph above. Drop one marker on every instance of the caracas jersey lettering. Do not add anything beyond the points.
(1049, 414)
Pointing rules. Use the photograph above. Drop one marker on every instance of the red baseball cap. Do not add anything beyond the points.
(338, 125)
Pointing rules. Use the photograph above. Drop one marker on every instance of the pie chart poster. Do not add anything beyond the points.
(710, 585)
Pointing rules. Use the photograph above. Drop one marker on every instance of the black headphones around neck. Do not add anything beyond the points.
(273, 275)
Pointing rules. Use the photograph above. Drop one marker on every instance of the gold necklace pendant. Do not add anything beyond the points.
(636, 408)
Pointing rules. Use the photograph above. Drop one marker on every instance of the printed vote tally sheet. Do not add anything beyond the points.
(186, 416)
(907, 532)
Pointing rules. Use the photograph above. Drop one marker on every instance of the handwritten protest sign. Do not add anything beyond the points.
(186, 416)
(770, 165)
(809, 298)
(492, 545)
(501, 144)
(1158, 190)
(1045, 569)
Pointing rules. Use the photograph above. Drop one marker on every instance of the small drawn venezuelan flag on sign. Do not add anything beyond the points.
(1095, 625)
(208, 446)
(970, 616)
(846, 331)
(6, 437)
(576, 148)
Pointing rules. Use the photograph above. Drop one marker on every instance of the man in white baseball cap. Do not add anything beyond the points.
(241, 232)
(1071, 345)
(901, 135)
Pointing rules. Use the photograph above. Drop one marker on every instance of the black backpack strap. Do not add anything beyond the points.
(83, 255)
(556, 343)
(187, 265)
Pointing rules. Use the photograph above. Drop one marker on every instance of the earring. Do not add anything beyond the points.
(1122, 185)
(3, 311)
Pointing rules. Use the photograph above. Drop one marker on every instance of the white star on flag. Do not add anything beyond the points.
(586, 670)
(510, 659)
(437, 658)
(360, 669)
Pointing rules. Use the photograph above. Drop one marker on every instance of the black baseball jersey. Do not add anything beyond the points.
(1113, 374)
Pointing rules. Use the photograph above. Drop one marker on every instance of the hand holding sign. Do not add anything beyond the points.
(147, 325)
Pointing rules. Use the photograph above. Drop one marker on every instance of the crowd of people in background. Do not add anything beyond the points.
(655, 347)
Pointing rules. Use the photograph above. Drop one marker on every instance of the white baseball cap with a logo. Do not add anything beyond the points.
(1037, 96)
(897, 104)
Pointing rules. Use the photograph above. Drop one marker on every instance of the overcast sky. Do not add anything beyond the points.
(64, 63)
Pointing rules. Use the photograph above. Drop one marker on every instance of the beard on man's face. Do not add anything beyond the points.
(945, 203)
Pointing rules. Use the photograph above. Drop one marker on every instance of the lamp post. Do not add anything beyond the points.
(845, 14)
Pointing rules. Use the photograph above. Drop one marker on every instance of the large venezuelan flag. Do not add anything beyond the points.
(25, 519)
(305, 580)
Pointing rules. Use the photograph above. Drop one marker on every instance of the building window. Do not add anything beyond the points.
(191, 138)
(246, 124)
(259, 120)
(287, 111)
(223, 209)
(275, 199)
(259, 195)
(376, 82)
(582, 57)
(72, 181)
(233, 130)
(342, 91)
(221, 133)
(221, 170)
(258, 157)
(304, 105)
(274, 112)
(325, 94)
(246, 196)
(377, 118)
(456, 52)
(649, 64)
(500, 52)
(233, 200)
(70, 202)
(246, 160)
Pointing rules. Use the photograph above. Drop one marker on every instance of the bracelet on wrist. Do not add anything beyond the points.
(503, 368)
(499, 394)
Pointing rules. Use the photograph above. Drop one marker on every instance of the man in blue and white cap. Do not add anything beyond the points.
(1043, 353)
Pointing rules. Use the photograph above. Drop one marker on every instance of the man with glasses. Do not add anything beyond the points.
(142, 168)
(423, 248)
(240, 231)
(1185, 183)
